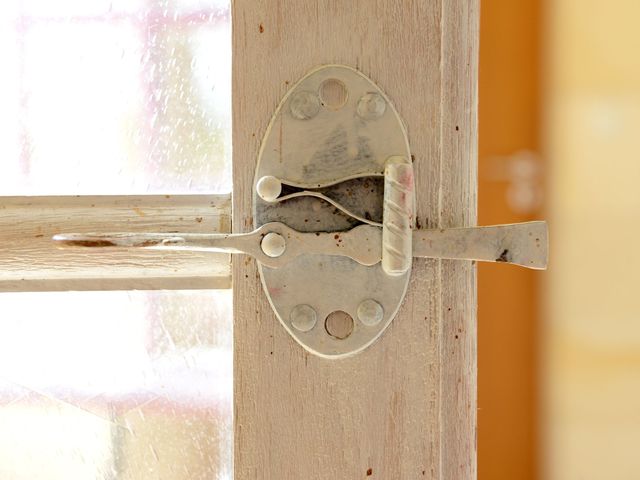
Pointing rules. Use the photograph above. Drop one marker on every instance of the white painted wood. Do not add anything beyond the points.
(29, 260)
(405, 408)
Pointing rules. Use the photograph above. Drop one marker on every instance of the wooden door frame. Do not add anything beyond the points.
(405, 407)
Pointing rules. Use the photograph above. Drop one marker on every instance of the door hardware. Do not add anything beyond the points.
(334, 207)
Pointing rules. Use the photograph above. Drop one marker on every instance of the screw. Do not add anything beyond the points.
(370, 312)
(304, 105)
(273, 244)
(371, 105)
(268, 188)
(303, 317)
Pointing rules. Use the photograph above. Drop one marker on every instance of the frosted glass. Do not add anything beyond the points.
(114, 97)
(114, 385)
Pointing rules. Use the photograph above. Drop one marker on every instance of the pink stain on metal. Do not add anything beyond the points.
(275, 291)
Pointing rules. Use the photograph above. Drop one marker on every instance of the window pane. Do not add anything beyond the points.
(115, 97)
(129, 385)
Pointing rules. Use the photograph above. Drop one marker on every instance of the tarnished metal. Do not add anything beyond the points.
(334, 209)
(329, 163)
(362, 244)
(398, 216)
(523, 244)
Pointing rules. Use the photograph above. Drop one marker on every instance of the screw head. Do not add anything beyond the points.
(370, 312)
(371, 105)
(273, 244)
(304, 105)
(303, 318)
(269, 188)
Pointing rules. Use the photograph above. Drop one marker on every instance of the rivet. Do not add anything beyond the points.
(303, 318)
(370, 312)
(269, 188)
(371, 105)
(273, 244)
(304, 105)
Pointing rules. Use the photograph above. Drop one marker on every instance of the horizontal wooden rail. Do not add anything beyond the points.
(29, 261)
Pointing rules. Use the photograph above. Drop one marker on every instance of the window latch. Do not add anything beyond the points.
(334, 205)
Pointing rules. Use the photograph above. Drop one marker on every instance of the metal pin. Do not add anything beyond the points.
(273, 244)
(303, 317)
(371, 105)
(370, 312)
(304, 105)
(269, 188)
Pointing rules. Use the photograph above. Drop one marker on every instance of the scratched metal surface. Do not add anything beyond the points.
(332, 145)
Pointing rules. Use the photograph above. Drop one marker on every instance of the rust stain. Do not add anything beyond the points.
(89, 243)
(369, 472)
(504, 256)
(152, 243)
(261, 28)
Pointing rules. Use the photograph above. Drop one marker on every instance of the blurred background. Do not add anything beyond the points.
(133, 97)
(559, 352)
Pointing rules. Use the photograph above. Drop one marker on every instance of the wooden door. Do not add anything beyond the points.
(406, 407)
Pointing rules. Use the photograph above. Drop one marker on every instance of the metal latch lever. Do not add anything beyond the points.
(274, 244)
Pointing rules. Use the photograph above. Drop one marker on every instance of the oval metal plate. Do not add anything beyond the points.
(335, 124)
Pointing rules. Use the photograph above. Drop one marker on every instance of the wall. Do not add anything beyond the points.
(592, 335)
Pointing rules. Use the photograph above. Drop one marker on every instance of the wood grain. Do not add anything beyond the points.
(406, 407)
(29, 261)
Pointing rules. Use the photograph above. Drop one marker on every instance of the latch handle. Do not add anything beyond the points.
(524, 244)
(274, 244)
